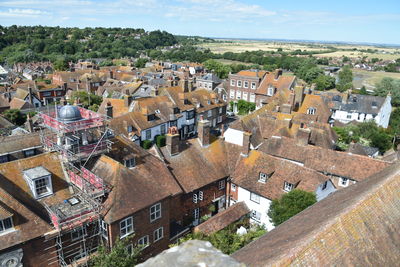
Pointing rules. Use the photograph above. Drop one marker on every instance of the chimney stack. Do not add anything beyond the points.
(127, 100)
(30, 94)
(246, 144)
(303, 136)
(203, 129)
(286, 108)
(29, 123)
(172, 141)
(278, 72)
(109, 110)
(110, 74)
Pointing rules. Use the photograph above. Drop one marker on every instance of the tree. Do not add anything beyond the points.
(15, 116)
(324, 82)
(90, 101)
(345, 79)
(245, 107)
(289, 205)
(141, 63)
(312, 73)
(389, 85)
(61, 64)
(119, 256)
(363, 91)
(221, 70)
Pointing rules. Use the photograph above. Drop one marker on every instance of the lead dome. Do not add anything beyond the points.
(69, 113)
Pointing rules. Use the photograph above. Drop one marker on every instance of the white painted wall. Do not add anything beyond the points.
(383, 116)
(234, 136)
(263, 207)
(323, 193)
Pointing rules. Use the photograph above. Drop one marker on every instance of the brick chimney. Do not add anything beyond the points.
(110, 74)
(172, 141)
(246, 144)
(203, 130)
(185, 85)
(278, 72)
(127, 100)
(29, 123)
(30, 94)
(109, 110)
(303, 136)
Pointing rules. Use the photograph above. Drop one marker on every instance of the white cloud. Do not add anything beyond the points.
(16, 12)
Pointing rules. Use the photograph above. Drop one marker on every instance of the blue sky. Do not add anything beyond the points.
(339, 20)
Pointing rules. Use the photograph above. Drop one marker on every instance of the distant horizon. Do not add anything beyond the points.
(356, 21)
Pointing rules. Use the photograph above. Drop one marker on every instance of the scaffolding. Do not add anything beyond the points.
(77, 141)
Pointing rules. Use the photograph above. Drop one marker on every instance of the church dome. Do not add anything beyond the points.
(69, 113)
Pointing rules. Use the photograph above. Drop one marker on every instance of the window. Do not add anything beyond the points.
(173, 123)
(232, 94)
(255, 197)
(130, 129)
(157, 111)
(348, 116)
(158, 234)
(148, 134)
(246, 84)
(46, 93)
(190, 115)
(194, 198)
(29, 153)
(191, 128)
(78, 233)
(129, 249)
(144, 242)
(220, 110)
(256, 215)
(163, 129)
(155, 212)
(233, 82)
(245, 96)
(238, 95)
(209, 113)
(253, 85)
(42, 186)
(208, 102)
(201, 195)
(270, 91)
(325, 185)
(3, 158)
(126, 227)
(130, 163)
(233, 187)
(151, 117)
(239, 83)
(221, 185)
(311, 111)
(196, 213)
(252, 97)
(104, 229)
(288, 186)
(176, 110)
(6, 224)
(219, 119)
(263, 177)
(344, 182)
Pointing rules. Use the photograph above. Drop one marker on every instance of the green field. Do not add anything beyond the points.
(370, 78)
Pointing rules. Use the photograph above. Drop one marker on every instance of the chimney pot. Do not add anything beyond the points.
(203, 130)
(246, 144)
(172, 141)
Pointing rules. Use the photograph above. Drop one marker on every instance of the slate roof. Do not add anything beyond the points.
(356, 226)
(210, 77)
(367, 104)
(223, 219)
(247, 174)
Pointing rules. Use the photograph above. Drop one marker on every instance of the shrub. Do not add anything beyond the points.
(160, 140)
(146, 144)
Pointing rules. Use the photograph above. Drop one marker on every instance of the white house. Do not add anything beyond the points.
(362, 108)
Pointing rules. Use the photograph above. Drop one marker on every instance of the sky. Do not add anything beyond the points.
(340, 20)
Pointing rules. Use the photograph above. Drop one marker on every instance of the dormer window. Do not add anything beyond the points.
(6, 224)
(270, 91)
(288, 187)
(176, 110)
(39, 181)
(157, 111)
(130, 129)
(130, 163)
(208, 102)
(151, 117)
(311, 111)
(262, 177)
(374, 104)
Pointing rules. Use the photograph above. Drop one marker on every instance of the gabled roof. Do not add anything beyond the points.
(133, 188)
(356, 226)
(321, 108)
(118, 105)
(248, 171)
(252, 73)
(9, 144)
(283, 82)
(17, 103)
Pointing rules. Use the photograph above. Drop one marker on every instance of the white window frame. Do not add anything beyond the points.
(155, 212)
(144, 241)
(262, 177)
(233, 187)
(239, 83)
(47, 185)
(221, 185)
(195, 198)
(158, 234)
(148, 134)
(104, 229)
(245, 96)
(270, 91)
(196, 213)
(220, 110)
(219, 120)
(233, 82)
(287, 187)
(126, 230)
(311, 111)
(238, 94)
(130, 163)
(344, 181)
(209, 113)
(232, 94)
(245, 84)
(201, 196)
(253, 85)
(254, 197)
(255, 215)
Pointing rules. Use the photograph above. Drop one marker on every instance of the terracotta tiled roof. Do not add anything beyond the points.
(356, 226)
(133, 188)
(248, 170)
(118, 105)
(283, 82)
(252, 73)
(17, 143)
(317, 102)
(17, 103)
(223, 219)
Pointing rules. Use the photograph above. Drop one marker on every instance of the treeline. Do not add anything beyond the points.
(38, 43)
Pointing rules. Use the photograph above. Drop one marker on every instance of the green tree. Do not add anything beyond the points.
(119, 256)
(15, 116)
(245, 107)
(363, 91)
(221, 70)
(312, 73)
(141, 62)
(345, 79)
(61, 64)
(389, 85)
(90, 101)
(324, 82)
(289, 205)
